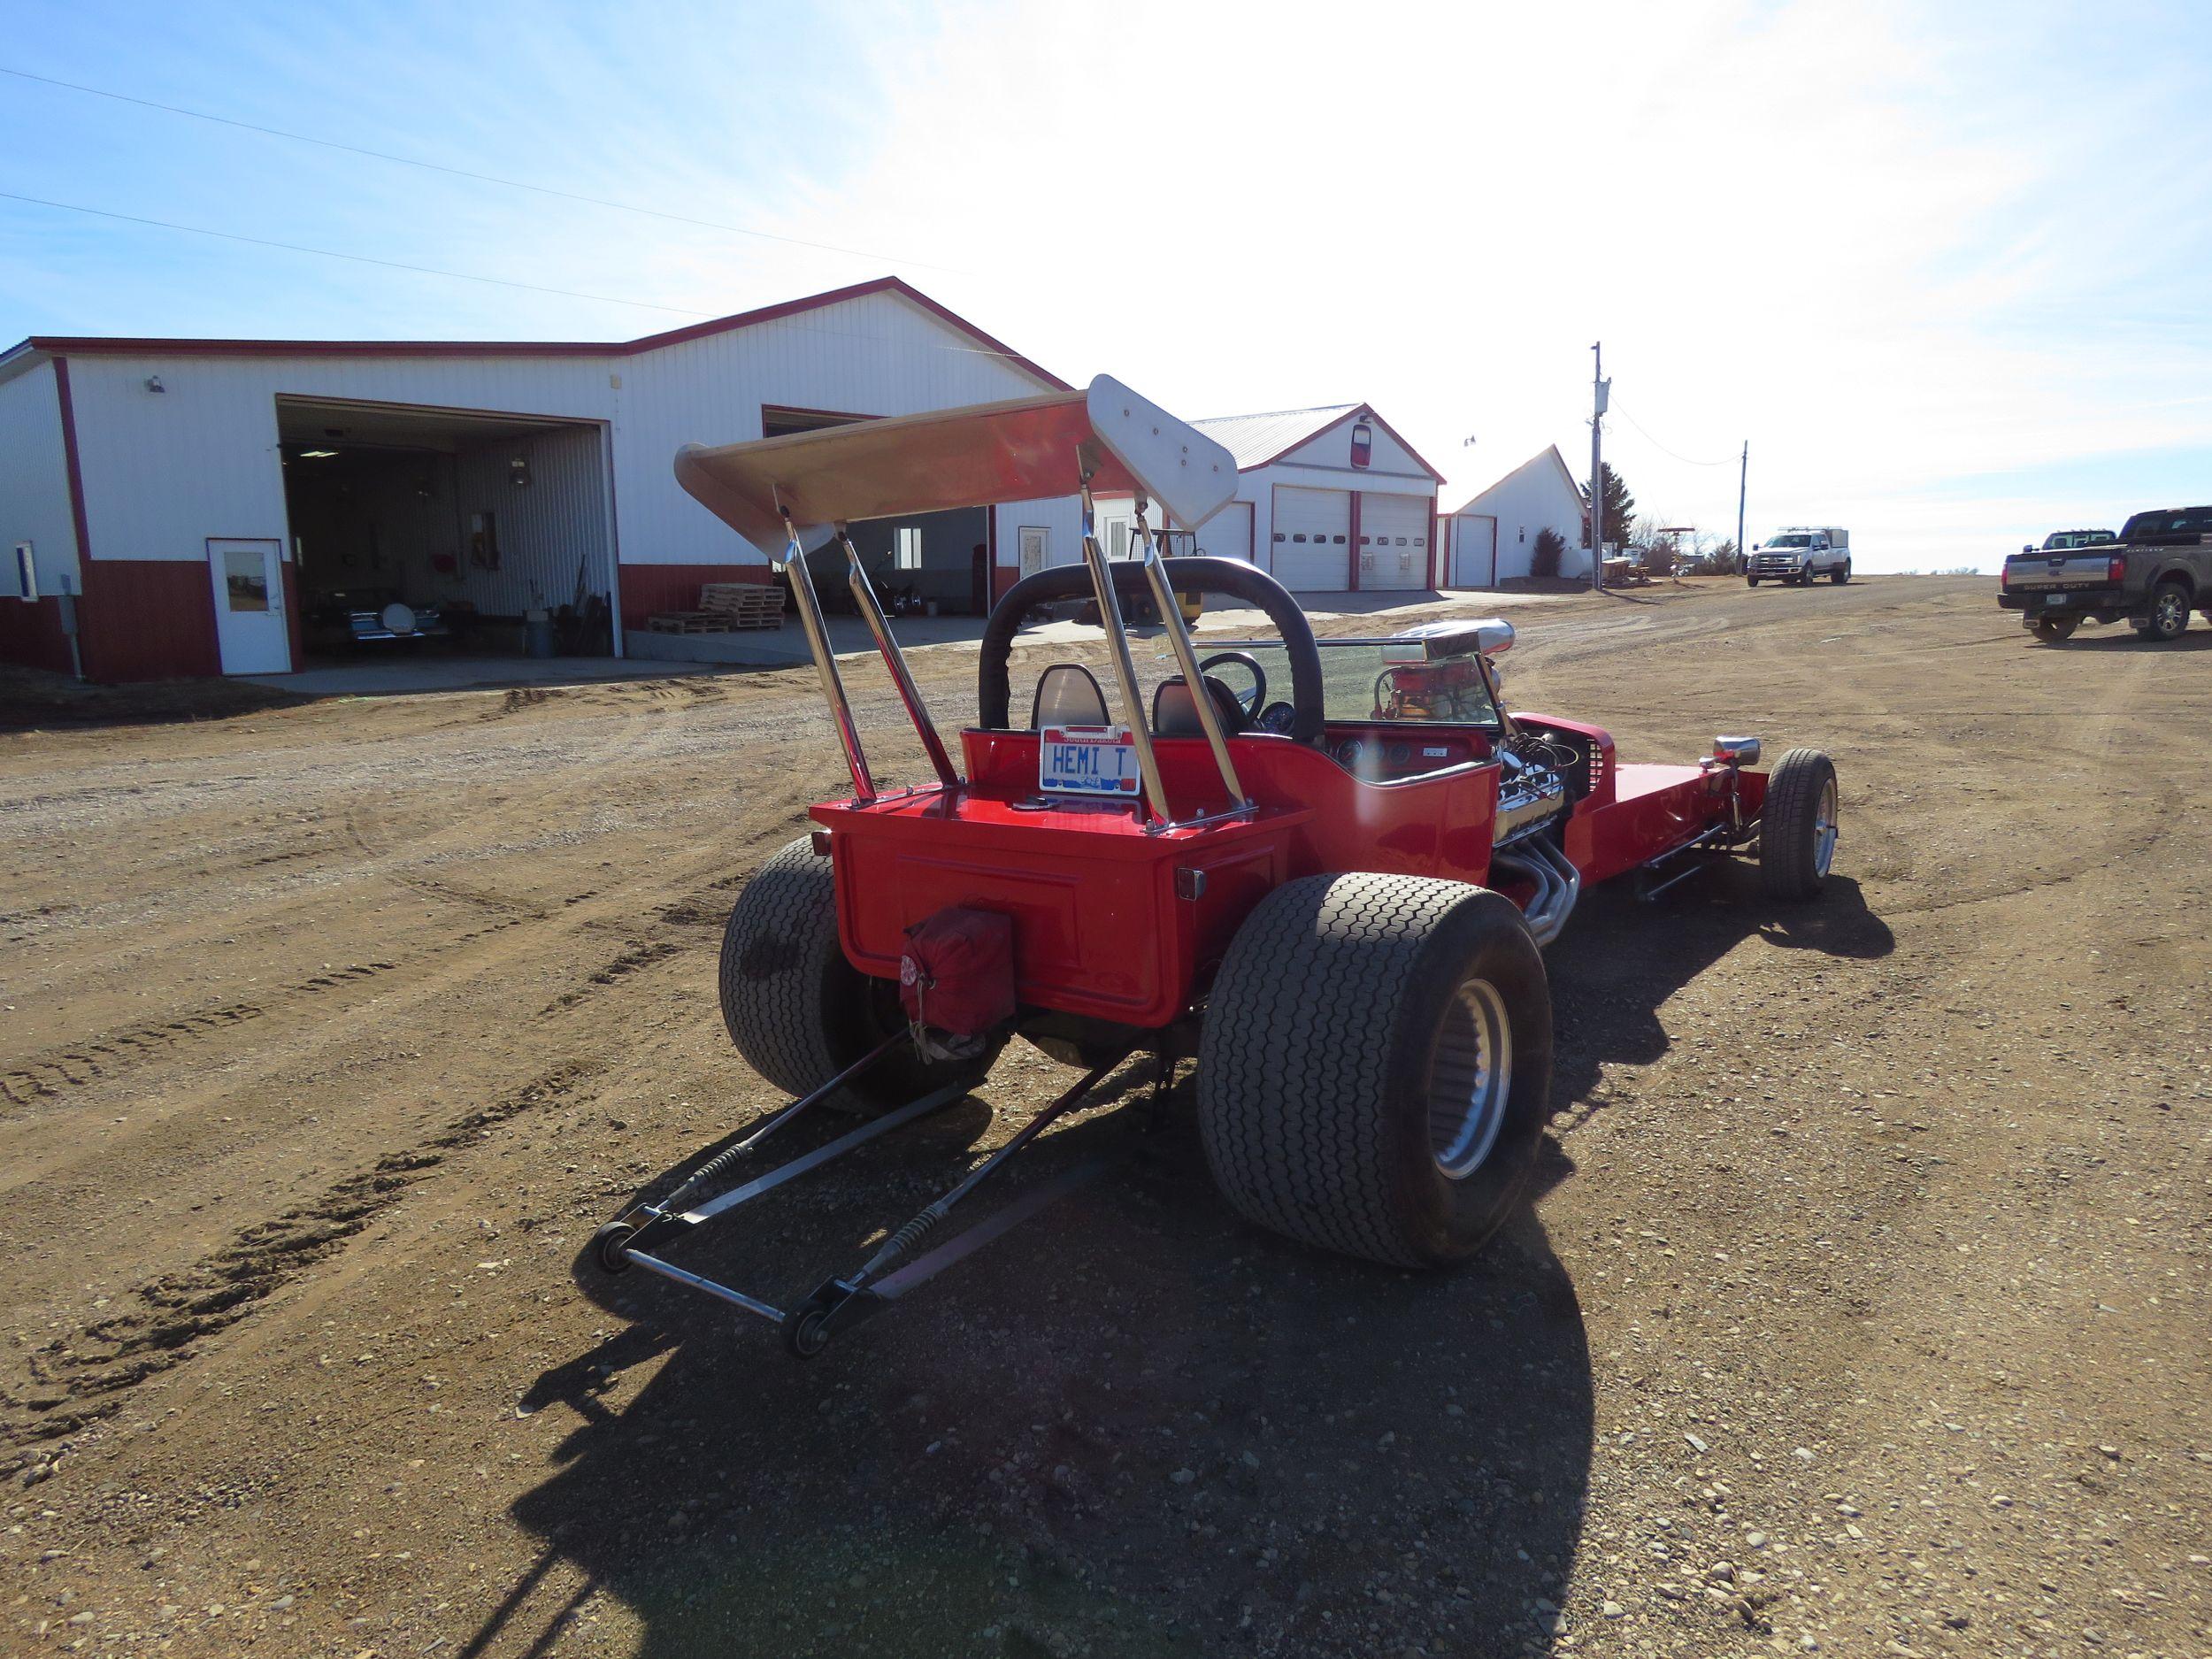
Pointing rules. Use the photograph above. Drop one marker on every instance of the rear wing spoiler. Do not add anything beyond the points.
(1026, 449)
(786, 491)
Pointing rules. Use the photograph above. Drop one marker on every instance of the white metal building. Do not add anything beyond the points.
(1315, 487)
(192, 499)
(1490, 540)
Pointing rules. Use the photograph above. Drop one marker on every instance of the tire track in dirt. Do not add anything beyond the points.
(76, 1380)
(53, 1074)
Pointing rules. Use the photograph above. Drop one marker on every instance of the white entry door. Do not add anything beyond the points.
(1393, 541)
(1309, 547)
(250, 621)
(1475, 550)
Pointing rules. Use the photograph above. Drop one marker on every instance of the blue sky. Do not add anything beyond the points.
(1941, 264)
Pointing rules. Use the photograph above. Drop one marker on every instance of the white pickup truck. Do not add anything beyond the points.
(1799, 552)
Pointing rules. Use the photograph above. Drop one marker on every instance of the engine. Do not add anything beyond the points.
(1533, 787)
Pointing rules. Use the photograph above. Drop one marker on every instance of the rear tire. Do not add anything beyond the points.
(797, 1011)
(1374, 1073)
(2054, 630)
(1841, 573)
(2169, 618)
(1797, 825)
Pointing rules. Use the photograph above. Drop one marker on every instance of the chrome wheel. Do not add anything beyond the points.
(2170, 612)
(1825, 829)
(1470, 1079)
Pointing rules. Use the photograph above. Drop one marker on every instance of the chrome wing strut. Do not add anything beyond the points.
(894, 662)
(1124, 669)
(825, 659)
(1186, 660)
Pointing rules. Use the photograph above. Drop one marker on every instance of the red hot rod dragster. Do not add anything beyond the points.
(1336, 899)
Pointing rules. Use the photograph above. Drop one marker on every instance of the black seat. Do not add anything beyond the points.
(1067, 695)
(1175, 713)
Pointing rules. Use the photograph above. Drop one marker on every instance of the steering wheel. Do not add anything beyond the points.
(1258, 700)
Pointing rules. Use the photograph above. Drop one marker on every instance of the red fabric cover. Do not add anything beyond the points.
(957, 973)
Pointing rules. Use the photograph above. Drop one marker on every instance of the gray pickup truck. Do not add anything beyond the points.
(2157, 571)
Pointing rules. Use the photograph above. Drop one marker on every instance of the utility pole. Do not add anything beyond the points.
(1743, 476)
(1600, 388)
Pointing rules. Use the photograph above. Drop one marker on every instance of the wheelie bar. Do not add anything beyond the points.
(839, 1303)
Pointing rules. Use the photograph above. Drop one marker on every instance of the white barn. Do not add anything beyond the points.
(189, 500)
(1490, 540)
(1314, 486)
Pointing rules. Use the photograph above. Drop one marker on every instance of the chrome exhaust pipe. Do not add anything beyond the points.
(1558, 886)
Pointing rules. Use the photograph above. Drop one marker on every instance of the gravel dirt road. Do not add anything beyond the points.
(1863, 1308)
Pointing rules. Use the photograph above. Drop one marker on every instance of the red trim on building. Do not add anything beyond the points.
(649, 590)
(134, 346)
(147, 620)
(1353, 571)
(1433, 583)
(1359, 411)
(30, 634)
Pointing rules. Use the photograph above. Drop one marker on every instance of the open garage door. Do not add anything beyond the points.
(446, 530)
(1393, 541)
(1311, 545)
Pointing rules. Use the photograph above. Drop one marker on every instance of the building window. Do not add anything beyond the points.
(908, 541)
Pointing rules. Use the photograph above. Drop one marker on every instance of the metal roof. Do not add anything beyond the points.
(61, 345)
(1255, 439)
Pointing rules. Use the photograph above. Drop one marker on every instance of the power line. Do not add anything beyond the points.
(357, 258)
(1632, 421)
(482, 178)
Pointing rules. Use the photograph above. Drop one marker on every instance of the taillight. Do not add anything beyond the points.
(2115, 568)
(2004, 576)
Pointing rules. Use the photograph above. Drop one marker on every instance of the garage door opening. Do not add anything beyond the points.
(459, 532)
(930, 564)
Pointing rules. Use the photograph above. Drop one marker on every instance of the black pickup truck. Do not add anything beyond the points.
(2157, 571)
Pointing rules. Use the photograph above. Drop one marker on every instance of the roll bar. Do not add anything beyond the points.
(1231, 577)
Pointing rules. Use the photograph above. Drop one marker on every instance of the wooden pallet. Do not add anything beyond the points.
(744, 604)
(688, 622)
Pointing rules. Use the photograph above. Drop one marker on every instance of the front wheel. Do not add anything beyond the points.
(2169, 618)
(1797, 825)
(1375, 1070)
(2052, 630)
(1751, 581)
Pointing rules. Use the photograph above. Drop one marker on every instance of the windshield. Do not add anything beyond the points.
(1362, 681)
(1794, 539)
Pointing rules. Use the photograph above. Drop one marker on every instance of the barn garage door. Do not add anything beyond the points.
(1311, 544)
(1228, 534)
(1475, 550)
(1393, 541)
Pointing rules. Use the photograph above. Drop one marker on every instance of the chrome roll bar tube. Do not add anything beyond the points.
(1186, 659)
(895, 661)
(825, 659)
(1124, 669)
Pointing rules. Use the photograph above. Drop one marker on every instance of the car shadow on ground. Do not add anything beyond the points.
(2123, 638)
(1133, 1426)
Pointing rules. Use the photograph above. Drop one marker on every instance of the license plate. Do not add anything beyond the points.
(2057, 602)
(1094, 760)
